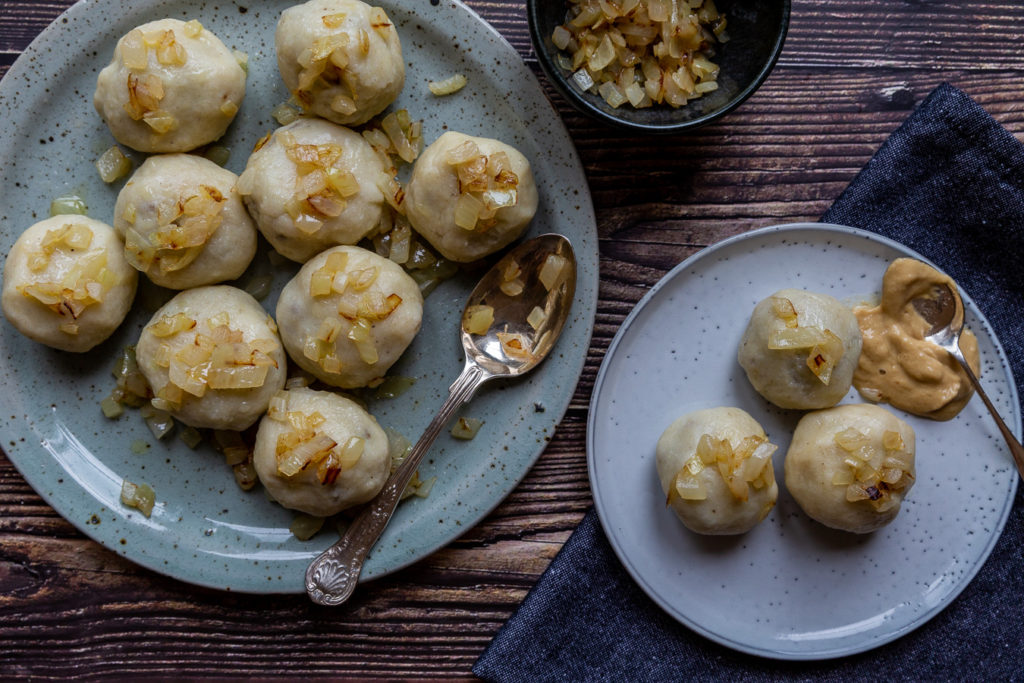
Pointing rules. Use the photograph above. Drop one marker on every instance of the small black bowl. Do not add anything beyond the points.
(757, 30)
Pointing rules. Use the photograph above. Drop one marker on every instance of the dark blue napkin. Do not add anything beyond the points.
(950, 185)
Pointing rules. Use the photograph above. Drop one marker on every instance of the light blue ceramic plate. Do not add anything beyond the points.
(205, 530)
(790, 588)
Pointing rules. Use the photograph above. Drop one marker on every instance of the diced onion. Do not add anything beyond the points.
(824, 356)
(68, 205)
(245, 475)
(688, 487)
(394, 386)
(113, 164)
(111, 408)
(138, 496)
(851, 439)
(583, 79)
(242, 58)
(284, 114)
(554, 271)
(448, 86)
(423, 490)
(843, 477)
(795, 338)
(193, 28)
(892, 441)
(218, 154)
(515, 345)
(191, 436)
(478, 319)
(784, 309)
(536, 318)
(160, 422)
(305, 527)
(466, 428)
(512, 287)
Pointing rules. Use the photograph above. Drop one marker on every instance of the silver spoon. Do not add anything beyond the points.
(331, 578)
(944, 311)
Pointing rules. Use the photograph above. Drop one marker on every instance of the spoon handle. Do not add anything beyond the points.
(331, 578)
(1016, 449)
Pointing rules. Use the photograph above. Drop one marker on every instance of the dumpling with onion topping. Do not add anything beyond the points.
(172, 86)
(469, 196)
(320, 453)
(800, 349)
(67, 283)
(313, 185)
(341, 59)
(348, 315)
(212, 357)
(183, 223)
(850, 467)
(715, 468)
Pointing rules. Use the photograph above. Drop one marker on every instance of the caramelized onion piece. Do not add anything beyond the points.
(448, 86)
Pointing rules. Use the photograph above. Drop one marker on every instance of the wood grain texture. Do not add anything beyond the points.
(849, 75)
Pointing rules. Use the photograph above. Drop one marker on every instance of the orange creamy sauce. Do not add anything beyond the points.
(897, 365)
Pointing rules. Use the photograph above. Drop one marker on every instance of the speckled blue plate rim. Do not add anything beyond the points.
(42, 470)
(1015, 422)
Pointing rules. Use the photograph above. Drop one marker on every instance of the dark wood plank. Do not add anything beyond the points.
(850, 74)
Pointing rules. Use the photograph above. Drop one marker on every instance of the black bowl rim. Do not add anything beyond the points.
(557, 79)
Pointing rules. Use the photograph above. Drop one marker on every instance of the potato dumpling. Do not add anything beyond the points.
(469, 197)
(313, 185)
(341, 59)
(849, 467)
(348, 315)
(320, 453)
(172, 86)
(183, 223)
(67, 283)
(715, 468)
(212, 357)
(800, 349)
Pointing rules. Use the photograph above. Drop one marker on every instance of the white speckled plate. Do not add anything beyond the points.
(791, 588)
(204, 529)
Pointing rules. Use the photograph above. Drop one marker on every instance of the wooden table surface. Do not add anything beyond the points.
(850, 73)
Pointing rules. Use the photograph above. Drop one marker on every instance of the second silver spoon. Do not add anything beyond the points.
(529, 292)
(944, 311)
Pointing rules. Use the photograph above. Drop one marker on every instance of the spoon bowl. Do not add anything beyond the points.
(524, 299)
(499, 290)
(943, 310)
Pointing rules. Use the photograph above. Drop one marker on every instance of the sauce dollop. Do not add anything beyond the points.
(897, 365)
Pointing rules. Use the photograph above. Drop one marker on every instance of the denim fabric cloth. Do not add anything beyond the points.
(949, 184)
